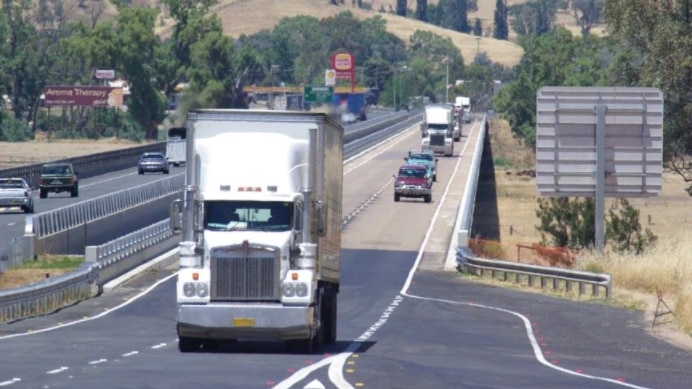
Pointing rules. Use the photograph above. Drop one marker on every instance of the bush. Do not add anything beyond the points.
(13, 130)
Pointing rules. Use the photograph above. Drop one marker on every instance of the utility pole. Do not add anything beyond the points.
(478, 46)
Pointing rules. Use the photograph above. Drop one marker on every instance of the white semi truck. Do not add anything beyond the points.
(261, 225)
(437, 129)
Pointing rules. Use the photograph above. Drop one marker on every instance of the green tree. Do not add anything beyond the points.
(533, 17)
(566, 222)
(624, 230)
(401, 7)
(652, 45)
(135, 46)
(478, 27)
(455, 15)
(192, 22)
(421, 10)
(500, 30)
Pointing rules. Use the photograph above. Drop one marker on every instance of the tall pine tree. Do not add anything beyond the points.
(422, 10)
(501, 31)
(401, 7)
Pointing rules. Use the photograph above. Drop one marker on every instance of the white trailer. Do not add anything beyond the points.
(437, 129)
(464, 103)
(261, 224)
(175, 146)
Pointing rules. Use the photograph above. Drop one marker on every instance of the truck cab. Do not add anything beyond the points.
(260, 253)
(437, 129)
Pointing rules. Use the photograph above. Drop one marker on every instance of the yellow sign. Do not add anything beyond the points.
(329, 77)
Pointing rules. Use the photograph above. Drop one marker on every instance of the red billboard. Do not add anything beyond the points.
(83, 96)
(344, 65)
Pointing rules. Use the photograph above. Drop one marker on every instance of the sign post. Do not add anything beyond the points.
(599, 142)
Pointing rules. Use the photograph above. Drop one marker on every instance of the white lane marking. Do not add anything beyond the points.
(314, 384)
(100, 315)
(96, 362)
(58, 370)
(10, 382)
(158, 346)
(131, 353)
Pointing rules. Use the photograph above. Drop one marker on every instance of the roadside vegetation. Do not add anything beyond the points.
(42, 268)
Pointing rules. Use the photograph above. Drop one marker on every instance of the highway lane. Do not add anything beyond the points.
(442, 332)
(12, 222)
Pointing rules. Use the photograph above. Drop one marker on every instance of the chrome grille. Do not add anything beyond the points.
(245, 275)
(437, 140)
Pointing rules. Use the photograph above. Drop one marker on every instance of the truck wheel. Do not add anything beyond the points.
(140, 172)
(435, 177)
(187, 344)
(28, 209)
(74, 192)
(397, 197)
(427, 198)
(43, 193)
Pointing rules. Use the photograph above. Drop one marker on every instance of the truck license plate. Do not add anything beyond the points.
(243, 322)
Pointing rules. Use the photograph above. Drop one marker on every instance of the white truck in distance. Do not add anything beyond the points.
(175, 146)
(463, 104)
(437, 129)
(261, 225)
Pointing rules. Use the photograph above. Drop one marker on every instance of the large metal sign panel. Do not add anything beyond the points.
(567, 147)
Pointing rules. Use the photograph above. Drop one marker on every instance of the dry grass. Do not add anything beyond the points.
(636, 279)
(41, 150)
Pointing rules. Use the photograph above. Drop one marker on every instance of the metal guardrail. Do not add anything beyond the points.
(467, 261)
(105, 261)
(61, 219)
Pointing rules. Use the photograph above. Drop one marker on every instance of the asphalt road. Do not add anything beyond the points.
(398, 327)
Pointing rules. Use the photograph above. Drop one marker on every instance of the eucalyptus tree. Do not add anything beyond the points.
(652, 43)
(445, 60)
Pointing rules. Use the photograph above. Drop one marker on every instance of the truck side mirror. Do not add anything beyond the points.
(175, 216)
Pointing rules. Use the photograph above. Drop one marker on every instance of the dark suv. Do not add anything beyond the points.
(58, 177)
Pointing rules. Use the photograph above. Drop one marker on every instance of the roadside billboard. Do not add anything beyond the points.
(83, 96)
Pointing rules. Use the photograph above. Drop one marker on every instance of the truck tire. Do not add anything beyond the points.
(397, 197)
(435, 177)
(74, 192)
(427, 198)
(187, 344)
(43, 193)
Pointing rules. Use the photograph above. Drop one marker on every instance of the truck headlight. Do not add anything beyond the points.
(301, 289)
(288, 289)
(297, 287)
(196, 289)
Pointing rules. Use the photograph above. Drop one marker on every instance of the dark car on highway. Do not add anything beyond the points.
(58, 177)
(152, 162)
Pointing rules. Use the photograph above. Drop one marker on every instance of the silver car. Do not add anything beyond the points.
(16, 193)
(152, 162)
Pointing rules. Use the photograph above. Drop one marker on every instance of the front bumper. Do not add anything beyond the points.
(153, 168)
(14, 201)
(245, 321)
(412, 191)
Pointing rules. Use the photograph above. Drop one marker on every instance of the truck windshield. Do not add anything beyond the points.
(437, 127)
(248, 215)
